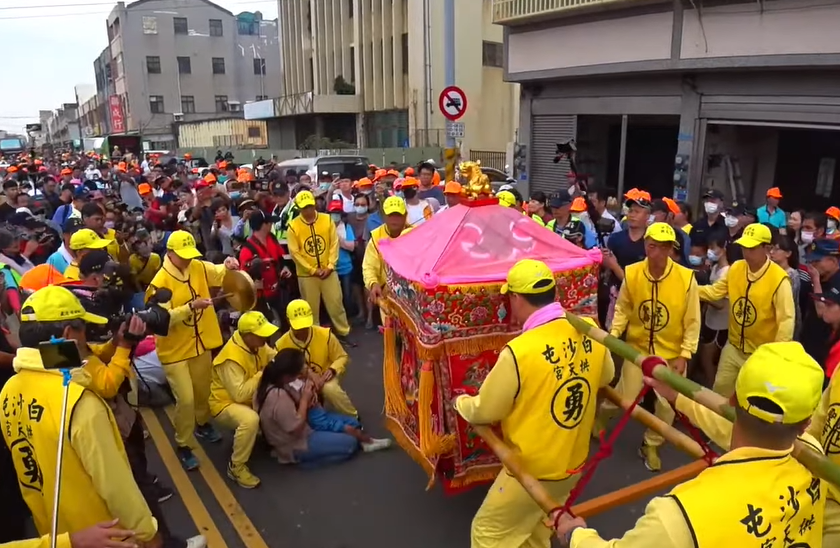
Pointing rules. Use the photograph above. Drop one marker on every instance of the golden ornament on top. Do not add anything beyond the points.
(474, 182)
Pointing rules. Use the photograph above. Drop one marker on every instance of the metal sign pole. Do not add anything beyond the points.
(59, 461)
(449, 52)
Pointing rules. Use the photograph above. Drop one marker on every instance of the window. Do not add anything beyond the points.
(350, 8)
(149, 25)
(221, 103)
(254, 132)
(352, 65)
(156, 104)
(248, 28)
(118, 66)
(262, 97)
(259, 66)
(152, 64)
(218, 65)
(187, 104)
(184, 65)
(180, 24)
(405, 52)
(492, 54)
(216, 27)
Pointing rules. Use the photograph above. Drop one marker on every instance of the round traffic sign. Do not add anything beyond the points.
(452, 102)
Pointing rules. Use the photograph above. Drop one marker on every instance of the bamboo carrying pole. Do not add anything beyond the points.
(653, 366)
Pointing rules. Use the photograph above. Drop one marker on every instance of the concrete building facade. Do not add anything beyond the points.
(739, 95)
(171, 61)
(372, 71)
(62, 126)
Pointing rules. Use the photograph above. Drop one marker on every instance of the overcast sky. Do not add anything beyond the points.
(52, 44)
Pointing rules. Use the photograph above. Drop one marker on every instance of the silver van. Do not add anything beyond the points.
(349, 166)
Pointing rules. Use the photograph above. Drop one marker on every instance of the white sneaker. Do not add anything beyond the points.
(197, 541)
(376, 445)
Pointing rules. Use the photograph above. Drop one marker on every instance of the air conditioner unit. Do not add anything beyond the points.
(234, 106)
(178, 116)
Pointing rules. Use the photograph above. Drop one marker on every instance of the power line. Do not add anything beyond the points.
(104, 5)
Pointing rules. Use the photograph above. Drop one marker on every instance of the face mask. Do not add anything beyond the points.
(360, 210)
(832, 226)
(223, 178)
(410, 193)
(235, 195)
(651, 219)
(807, 237)
(712, 256)
(624, 211)
(336, 217)
(110, 224)
(730, 222)
(710, 207)
(695, 260)
(324, 186)
(366, 191)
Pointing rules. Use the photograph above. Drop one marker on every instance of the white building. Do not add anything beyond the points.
(370, 72)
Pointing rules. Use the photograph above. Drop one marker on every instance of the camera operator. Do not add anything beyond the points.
(91, 493)
(82, 242)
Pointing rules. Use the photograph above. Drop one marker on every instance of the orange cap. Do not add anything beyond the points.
(379, 174)
(452, 187)
(66, 171)
(578, 204)
(40, 277)
(38, 162)
(393, 173)
(833, 212)
(187, 156)
(144, 188)
(774, 193)
(409, 182)
(121, 166)
(672, 206)
(409, 172)
(12, 169)
(363, 182)
(436, 178)
(245, 177)
(210, 178)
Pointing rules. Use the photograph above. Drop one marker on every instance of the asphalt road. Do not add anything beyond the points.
(375, 501)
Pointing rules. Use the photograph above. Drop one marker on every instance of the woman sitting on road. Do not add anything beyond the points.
(295, 424)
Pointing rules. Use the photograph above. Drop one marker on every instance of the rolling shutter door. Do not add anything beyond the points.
(546, 131)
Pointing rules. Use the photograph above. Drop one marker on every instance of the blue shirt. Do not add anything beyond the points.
(62, 214)
(777, 218)
(374, 221)
(58, 261)
(345, 258)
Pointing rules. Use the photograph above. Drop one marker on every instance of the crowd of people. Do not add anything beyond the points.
(128, 257)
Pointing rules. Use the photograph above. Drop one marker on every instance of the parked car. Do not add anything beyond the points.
(352, 167)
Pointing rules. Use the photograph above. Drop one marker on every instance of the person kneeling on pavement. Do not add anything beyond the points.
(298, 428)
(91, 493)
(236, 374)
(326, 359)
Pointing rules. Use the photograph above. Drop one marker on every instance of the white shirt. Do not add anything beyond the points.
(347, 204)
(718, 319)
(415, 213)
(92, 174)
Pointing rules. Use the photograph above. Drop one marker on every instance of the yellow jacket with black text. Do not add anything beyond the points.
(237, 371)
(313, 245)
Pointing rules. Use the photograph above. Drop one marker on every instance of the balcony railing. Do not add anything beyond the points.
(509, 12)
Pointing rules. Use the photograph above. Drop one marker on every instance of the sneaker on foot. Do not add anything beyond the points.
(207, 433)
(197, 541)
(163, 494)
(650, 455)
(242, 476)
(376, 445)
(187, 458)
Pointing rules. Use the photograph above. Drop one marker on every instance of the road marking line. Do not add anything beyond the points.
(198, 512)
(249, 534)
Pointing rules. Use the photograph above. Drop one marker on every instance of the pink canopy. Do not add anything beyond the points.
(478, 243)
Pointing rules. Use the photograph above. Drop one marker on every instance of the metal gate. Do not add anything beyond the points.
(487, 158)
(546, 131)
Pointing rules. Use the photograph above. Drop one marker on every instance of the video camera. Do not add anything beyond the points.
(154, 315)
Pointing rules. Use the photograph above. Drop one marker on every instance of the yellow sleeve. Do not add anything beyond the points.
(371, 264)
(107, 379)
(785, 311)
(818, 419)
(240, 388)
(300, 258)
(716, 291)
(623, 310)
(333, 239)
(716, 427)
(607, 369)
(215, 273)
(103, 458)
(62, 541)
(691, 321)
(177, 314)
(662, 525)
(337, 356)
(497, 393)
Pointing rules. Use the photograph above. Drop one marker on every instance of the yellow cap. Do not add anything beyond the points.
(755, 235)
(529, 276)
(304, 199)
(183, 244)
(661, 232)
(506, 198)
(87, 239)
(783, 373)
(300, 314)
(56, 304)
(394, 205)
(257, 324)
